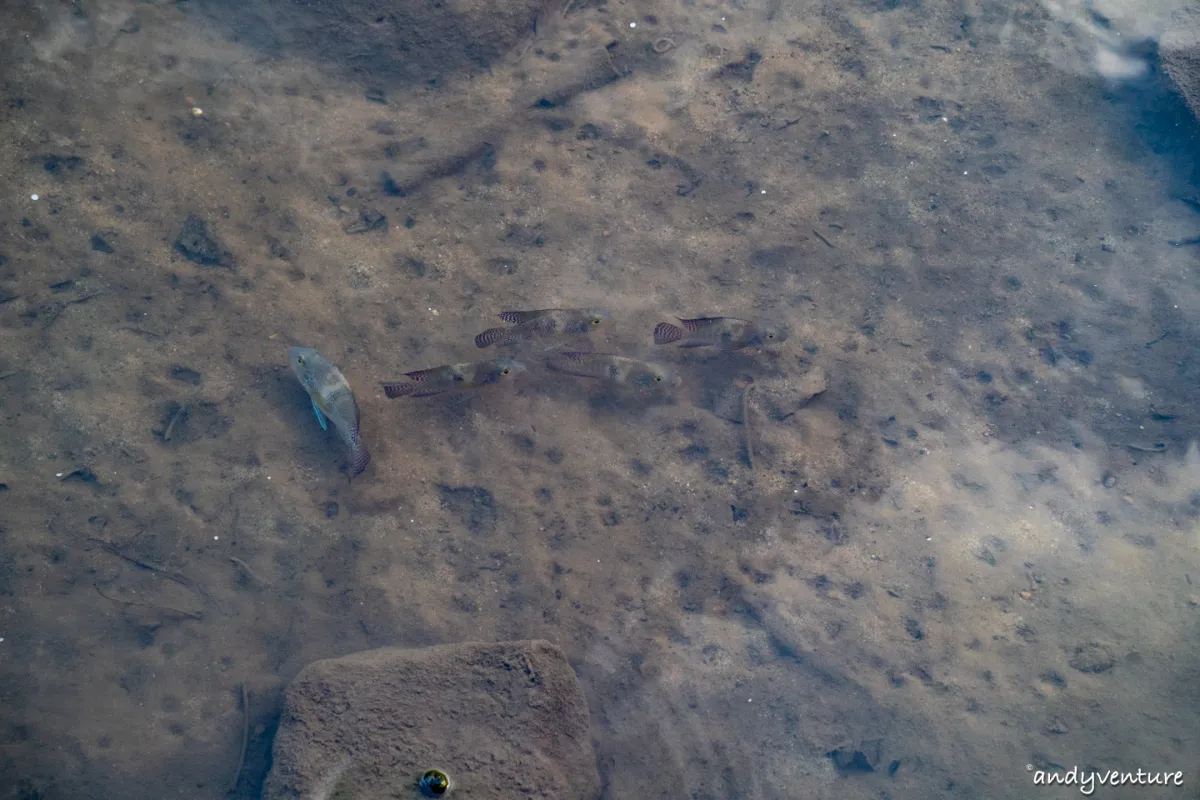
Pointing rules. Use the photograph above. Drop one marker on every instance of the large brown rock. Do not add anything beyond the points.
(505, 720)
(1179, 52)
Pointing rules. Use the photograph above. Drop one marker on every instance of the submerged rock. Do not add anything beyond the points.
(501, 720)
(1179, 52)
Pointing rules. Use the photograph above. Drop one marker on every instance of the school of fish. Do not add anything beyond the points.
(333, 400)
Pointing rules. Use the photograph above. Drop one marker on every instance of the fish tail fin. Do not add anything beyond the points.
(665, 333)
(403, 389)
(359, 458)
(491, 336)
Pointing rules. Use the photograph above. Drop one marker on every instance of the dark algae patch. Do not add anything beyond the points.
(197, 245)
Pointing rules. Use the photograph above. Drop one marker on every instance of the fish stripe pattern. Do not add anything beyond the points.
(665, 333)
(517, 317)
(491, 336)
(394, 390)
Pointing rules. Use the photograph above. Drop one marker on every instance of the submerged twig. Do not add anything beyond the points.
(746, 422)
(189, 614)
(84, 299)
(249, 572)
(178, 577)
(141, 332)
(241, 763)
(182, 580)
(171, 426)
(608, 57)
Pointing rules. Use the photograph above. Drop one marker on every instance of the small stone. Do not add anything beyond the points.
(197, 245)
(503, 266)
(277, 249)
(369, 219)
(1056, 726)
(781, 398)
(1092, 657)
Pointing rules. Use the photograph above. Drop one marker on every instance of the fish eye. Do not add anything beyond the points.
(658, 378)
(504, 371)
(596, 320)
(770, 335)
(300, 360)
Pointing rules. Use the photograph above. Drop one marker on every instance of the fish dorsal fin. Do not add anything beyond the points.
(693, 325)
(517, 317)
(576, 358)
(419, 374)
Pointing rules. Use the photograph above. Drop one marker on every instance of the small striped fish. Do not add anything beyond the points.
(454, 377)
(617, 369)
(723, 333)
(546, 324)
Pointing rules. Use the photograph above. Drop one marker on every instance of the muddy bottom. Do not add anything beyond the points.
(940, 541)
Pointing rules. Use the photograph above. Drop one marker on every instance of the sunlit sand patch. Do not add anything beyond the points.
(689, 688)
(1101, 37)
(1132, 387)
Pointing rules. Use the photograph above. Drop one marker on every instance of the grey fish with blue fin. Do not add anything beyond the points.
(546, 324)
(723, 333)
(454, 378)
(615, 369)
(332, 401)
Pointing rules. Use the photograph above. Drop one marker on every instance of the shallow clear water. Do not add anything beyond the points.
(945, 544)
